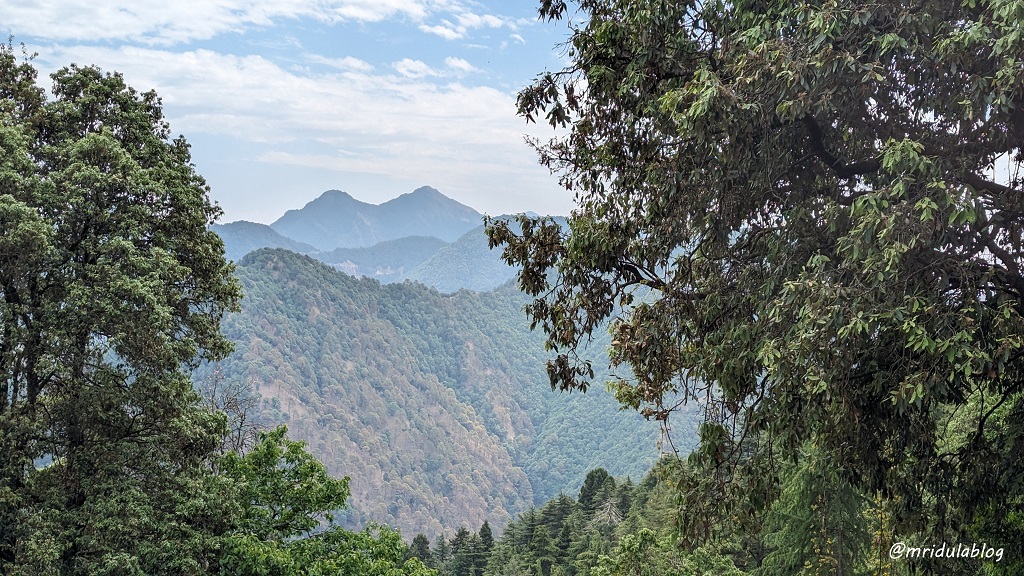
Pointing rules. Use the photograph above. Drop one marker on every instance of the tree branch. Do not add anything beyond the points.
(842, 169)
(979, 183)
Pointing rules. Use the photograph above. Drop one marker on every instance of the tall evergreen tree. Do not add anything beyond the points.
(486, 536)
(442, 555)
(592, 484)
(543, 550)
(420, 548)
(485, 544)
(463, 552)
(817, 526)
(111, 289)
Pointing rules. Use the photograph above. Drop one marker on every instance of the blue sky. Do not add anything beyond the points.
(284, 99)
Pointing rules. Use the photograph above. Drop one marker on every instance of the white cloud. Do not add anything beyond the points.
(163, 22)
(517, 38)
(414, 68)
(254, 99)
(346, 63)
(464, 22)
(459, 65)
(470, 20)
(445, 30)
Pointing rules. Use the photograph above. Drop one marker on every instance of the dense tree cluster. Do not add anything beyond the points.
(112, 290)
(824, 201)
(613, 528)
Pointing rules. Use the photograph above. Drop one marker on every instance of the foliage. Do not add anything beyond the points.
(818, 524)
(285, 490)
(562, 538)
(112, 289)
(285, 523)
(806, 189)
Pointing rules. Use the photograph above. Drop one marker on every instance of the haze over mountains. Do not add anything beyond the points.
(437, 406)
(422, 236)
(337, 220)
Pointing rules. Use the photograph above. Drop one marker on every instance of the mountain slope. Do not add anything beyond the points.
(387, 261)
(243, 237)
(466, 263)
(438, 407)
(337, 220)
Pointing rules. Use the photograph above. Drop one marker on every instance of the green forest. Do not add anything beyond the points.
(436, 405)
(618, 527)
(798, 234)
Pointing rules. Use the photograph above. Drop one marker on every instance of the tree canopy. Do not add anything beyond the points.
(807, 217)
(112, 291)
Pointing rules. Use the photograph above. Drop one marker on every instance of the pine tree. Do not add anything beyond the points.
(817, 527)
(420, 548)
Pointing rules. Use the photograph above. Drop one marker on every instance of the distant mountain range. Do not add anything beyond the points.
(422, 236)
(243, 237)
(337, 220)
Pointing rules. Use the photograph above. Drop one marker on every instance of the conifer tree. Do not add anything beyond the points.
(817, 526)
(420, 548)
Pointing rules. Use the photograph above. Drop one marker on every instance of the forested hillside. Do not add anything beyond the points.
(466, 263)
(438, 407)
(387, 261)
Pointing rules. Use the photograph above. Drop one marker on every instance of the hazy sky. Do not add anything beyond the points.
(283, 99)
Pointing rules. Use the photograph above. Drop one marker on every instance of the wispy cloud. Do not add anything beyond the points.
(414, 68)
(162, 22)
(459, 65)
(445, 30)
(463, 23)
(411, 119)
(454, 66)
(346, 63)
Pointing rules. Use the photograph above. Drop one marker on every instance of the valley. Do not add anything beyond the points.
(435, 403)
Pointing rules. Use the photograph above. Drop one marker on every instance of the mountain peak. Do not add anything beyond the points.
(423, 194)
(334, 197)
(337, 220)
(427, 190)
